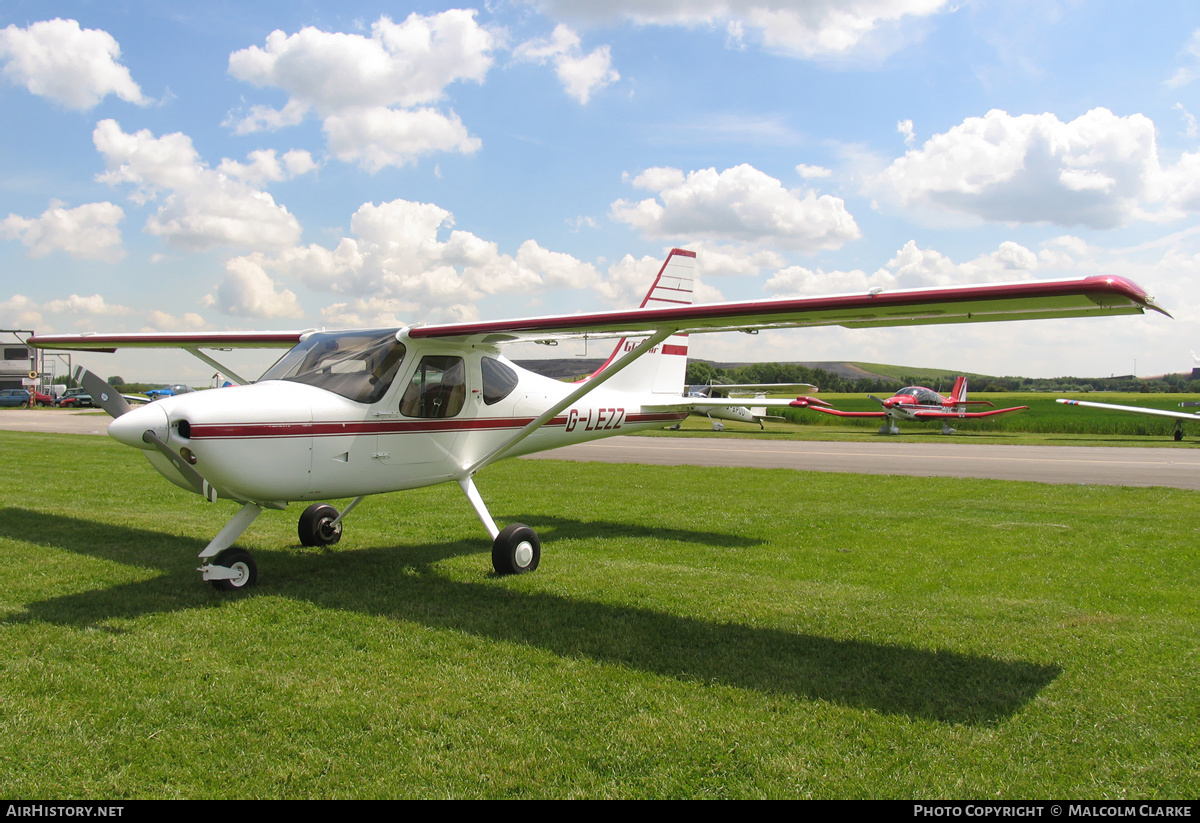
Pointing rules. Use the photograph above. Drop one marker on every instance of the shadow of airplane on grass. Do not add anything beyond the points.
(402, 583)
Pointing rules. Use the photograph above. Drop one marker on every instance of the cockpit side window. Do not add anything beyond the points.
(357, 365)
(498, 380)
(438, 388)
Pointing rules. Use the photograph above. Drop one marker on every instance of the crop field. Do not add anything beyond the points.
(691, 632)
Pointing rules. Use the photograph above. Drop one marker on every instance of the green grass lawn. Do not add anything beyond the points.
(690, 633)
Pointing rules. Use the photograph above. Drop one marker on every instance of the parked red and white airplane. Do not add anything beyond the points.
(348, 414)
(917, 403)
(1179, 416)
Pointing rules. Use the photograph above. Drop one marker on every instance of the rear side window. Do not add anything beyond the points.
(498, 380)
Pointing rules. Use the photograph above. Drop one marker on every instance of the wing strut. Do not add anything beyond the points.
(241, 381)
(614, 369)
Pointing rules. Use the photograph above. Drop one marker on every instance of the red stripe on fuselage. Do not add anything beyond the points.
(270, 431)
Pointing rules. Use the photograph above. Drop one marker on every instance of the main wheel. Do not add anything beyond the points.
(315, 526)
(241, 562)
(1178, 435)
(516, 550)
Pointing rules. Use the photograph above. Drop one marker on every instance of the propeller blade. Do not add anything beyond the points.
(196, 480)
(109, 398)
(876, 399)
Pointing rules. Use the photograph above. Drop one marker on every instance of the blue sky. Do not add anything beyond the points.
(266, 166)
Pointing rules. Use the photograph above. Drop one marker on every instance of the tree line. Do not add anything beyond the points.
(701, 373)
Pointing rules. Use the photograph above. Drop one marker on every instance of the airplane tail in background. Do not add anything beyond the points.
(959, 395)
(663, 369)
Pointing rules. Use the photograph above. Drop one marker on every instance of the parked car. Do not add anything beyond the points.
(75, 399)
(40, 399)
(14, 398)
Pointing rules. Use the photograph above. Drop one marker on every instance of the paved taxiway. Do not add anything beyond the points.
(1102, 465)
(1045, 464)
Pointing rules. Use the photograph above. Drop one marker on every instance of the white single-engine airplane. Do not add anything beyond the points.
(741, 413)
(1179, 416)
(918, 403)
(362, 412)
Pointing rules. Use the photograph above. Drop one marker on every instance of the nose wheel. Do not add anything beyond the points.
(231, 570)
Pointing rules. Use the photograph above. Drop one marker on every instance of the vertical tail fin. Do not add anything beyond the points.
(959, 395)
(663, 369)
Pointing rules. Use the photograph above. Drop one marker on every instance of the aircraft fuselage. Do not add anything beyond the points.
(277, 440)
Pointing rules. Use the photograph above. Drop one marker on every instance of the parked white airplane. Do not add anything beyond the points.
(362, 412)
(742, 413)
(1179, 416)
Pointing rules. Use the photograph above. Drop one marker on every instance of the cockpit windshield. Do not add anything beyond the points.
(358, 365)
(922, 395)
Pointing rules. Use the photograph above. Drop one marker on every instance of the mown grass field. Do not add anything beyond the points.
(690, 633)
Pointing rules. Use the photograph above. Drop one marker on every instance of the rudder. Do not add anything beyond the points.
(663, 369)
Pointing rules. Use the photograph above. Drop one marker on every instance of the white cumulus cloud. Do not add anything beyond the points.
(740, 204)
(373, 94)
(379, 137)
(911, 268)
(73, 66)
(201, 208)
(248, 291)
(395, 262)
(87, 231)
(1098, 170)
(799, 28)
(91, 305)
(265, 166)
(580, 74)
(158, 320)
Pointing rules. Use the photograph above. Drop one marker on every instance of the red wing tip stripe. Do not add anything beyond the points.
(675, 350)
(681, 253)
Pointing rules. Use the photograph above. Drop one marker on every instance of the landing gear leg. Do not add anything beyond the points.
(515, 549)
(1178, 431)
(231, 568)
(948, 429)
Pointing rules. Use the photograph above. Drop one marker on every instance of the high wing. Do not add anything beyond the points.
(722, 402)
(1132, 409)
(191, 342)
(170, 340)
(733, 389)
(1087, 296)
